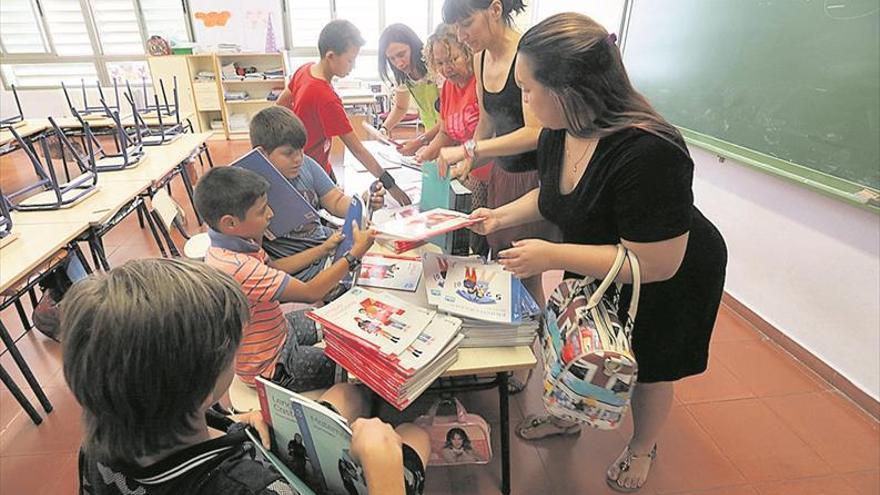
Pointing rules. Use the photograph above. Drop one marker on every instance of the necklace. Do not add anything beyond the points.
(590, 145)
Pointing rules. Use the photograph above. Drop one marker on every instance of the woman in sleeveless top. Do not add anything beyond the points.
(400, 50)
(486, 27)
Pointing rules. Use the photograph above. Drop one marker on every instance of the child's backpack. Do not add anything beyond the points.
(589, 365)
(46, 316)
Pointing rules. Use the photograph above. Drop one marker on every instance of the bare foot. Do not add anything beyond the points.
(630, 471)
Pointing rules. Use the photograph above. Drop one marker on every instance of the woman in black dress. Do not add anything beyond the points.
(614, 171)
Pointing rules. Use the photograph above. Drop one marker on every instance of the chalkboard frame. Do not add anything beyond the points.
(823, 183)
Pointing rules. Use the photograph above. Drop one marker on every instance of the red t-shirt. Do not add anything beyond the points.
(320, 109)
(460, 112)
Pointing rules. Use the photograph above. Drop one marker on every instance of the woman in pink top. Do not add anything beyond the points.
(446, 56)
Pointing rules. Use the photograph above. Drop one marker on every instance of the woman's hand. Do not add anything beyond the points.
(409, 147)
(255, 420)
(452, 160)
(527, 258)
(488, 221)
(425, 154)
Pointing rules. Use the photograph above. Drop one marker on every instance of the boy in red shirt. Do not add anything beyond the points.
(313, 99)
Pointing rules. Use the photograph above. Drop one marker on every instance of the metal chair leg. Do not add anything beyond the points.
(22, 315)
(19, 396)
(25, 369)
(152, 225)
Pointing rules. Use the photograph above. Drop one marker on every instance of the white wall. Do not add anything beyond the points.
(809, 265)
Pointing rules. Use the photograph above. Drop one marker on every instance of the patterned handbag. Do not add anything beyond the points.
(589, 366)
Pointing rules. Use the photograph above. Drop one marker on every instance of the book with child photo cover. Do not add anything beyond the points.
(311, 440)
(390, 272)
(291, 209)
(424, 225)
(382, 321)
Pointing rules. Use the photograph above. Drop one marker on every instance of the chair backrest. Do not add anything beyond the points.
(167, 210)
(89, 109)
(5, 217)
(14, 119)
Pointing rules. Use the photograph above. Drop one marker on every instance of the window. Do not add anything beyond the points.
(413, 14)
(67, 27)
(165, 18)
(44, 42)
(118, 27)
(47, 75)
(365, 15)
(20, 29)
(306, 19)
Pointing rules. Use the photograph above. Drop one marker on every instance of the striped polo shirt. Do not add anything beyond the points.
(266, 332)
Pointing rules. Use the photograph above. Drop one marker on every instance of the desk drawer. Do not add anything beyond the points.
(206, 96)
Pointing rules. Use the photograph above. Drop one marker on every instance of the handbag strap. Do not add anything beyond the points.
(460, 411)
(636, 271)
(609, 277)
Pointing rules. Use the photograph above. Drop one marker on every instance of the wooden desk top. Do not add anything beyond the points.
(159, 160)
(29, 128)
(34, 244)
(70, 122)
(96, 209)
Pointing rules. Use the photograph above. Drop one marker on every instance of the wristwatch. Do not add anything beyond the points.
(424, 139)
(470, 148)
(353, 262)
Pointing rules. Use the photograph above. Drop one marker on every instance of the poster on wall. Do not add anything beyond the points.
(254, 25)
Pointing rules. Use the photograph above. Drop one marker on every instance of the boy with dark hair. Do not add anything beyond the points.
(147, 384)
(311, 97)
(280, 135)
(233, 202)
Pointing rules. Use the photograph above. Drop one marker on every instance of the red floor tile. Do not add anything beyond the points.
(833, 427)
(765, 369)
(57, 474)
(867, 482)
(60, 432)
(716, 384)
(761, 445)
(808, 486)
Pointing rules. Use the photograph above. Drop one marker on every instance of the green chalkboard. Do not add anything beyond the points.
(789, 86)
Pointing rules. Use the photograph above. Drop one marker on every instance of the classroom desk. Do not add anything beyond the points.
(475, 361)
(159, 161)
(36, 249)
(30, 127)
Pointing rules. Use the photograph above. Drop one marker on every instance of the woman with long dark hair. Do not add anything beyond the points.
(614, 171)
(400, 52)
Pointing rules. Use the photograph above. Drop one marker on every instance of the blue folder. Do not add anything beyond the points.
(291, 209)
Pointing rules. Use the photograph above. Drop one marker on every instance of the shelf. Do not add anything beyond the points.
(249, 54)
(249, 102)
(255, 81)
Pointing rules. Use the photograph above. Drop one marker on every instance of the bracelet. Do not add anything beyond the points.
(387, 180)
(424, 139)
(383, 130)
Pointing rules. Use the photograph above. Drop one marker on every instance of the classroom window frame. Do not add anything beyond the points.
(98, 58)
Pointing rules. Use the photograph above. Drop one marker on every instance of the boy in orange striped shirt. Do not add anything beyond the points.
(233, 202)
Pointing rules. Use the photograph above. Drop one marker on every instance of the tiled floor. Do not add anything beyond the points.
(756, 423)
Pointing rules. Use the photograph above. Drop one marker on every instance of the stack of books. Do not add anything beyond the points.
(408, 232)
(395, 348)
(495, 308)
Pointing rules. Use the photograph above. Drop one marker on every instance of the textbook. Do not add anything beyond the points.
(408, 232)
(435, 266)
(291, 209)
(495, 307)
(393, 347)
(390, 272)
(310, 440)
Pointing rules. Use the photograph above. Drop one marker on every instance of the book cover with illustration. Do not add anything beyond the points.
(310, 440)
(424, 225)
(435, 267)
(292, 211)
(383, 321)
(478, 291)
(390, 272)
